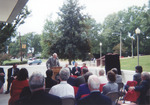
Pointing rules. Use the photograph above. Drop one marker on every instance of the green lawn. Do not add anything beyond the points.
(130, 63)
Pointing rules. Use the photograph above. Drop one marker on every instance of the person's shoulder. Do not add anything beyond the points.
(106, 98)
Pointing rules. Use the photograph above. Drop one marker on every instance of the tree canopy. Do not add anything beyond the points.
(72, 44)
(7, 30)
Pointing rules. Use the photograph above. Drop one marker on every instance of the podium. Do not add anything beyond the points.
(55, 71)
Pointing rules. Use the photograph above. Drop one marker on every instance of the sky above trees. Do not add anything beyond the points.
(98, 9)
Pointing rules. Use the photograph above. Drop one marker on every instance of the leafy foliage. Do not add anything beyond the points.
(72, 45)
(7, 30)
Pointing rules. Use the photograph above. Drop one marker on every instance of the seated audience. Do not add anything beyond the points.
(118, 77)
(76, 70)
(83, 88)
(67, 66)
(111, 86)
(2, 79)
(71, 81)
(80, 79)
(26, 92)
(38, 95)
(137, 76)
(95, 97)
(102, 77)
(84, 66)
(49, 82)
(18, 84)
(142, 88)
(63, 90)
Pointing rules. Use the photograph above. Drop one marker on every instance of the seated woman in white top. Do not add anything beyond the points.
(102, 77)
(63, 90)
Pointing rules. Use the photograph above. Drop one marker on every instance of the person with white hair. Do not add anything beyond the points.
(95, 97)
(38, 95)
(53, 61)
(63, 90)
(102, 77)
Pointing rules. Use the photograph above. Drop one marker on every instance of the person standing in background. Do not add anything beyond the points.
(11, 75)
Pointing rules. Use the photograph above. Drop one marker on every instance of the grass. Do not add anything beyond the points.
(130, 63)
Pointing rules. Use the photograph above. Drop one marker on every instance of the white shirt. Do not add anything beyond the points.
(103, 79)
(63, 90)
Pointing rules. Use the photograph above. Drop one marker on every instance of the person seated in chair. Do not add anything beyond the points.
(95, 97)
(111, 86)
(76, 70)
(137, 76)
(49, 82)
(102, 77)
(142, 88)
(80, 79)
(38, 95)
(83, 88)
(63, 90)
(118, 77)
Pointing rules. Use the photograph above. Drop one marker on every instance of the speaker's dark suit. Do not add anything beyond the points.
(10, 76)
(95, 98)
(74, 69)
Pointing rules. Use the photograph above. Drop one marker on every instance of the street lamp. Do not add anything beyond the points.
(138, 31)
(100, 54)
(132, 38)
(120, 41)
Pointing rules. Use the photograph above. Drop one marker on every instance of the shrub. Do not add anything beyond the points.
(3, 57)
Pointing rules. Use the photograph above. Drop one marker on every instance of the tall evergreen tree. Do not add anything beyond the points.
(73, 44)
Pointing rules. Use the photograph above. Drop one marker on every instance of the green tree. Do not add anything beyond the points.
(50, 35)
(31, 40)
(7, 30)
(126, 21)
(72, 45)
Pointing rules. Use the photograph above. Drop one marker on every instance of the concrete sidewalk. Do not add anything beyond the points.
(4, 98)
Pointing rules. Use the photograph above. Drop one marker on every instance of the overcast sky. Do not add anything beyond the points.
(98, 9)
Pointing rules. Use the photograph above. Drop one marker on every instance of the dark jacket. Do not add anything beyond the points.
(74, 69)
(137, 77)
(16, 70)
(95, 98)
(50, 82)
(142, 88)
(40, 98)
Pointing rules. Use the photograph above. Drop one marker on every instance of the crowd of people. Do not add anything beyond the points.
(77, 83)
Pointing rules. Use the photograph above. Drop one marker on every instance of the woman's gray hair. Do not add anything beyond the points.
(36, 81)
(64, 74)
(94, 82)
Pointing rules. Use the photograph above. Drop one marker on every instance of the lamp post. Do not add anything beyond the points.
(120, 41)
(100, 54)
(132, 38)
(137, 31)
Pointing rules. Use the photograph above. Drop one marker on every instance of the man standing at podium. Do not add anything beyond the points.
(53, 61)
